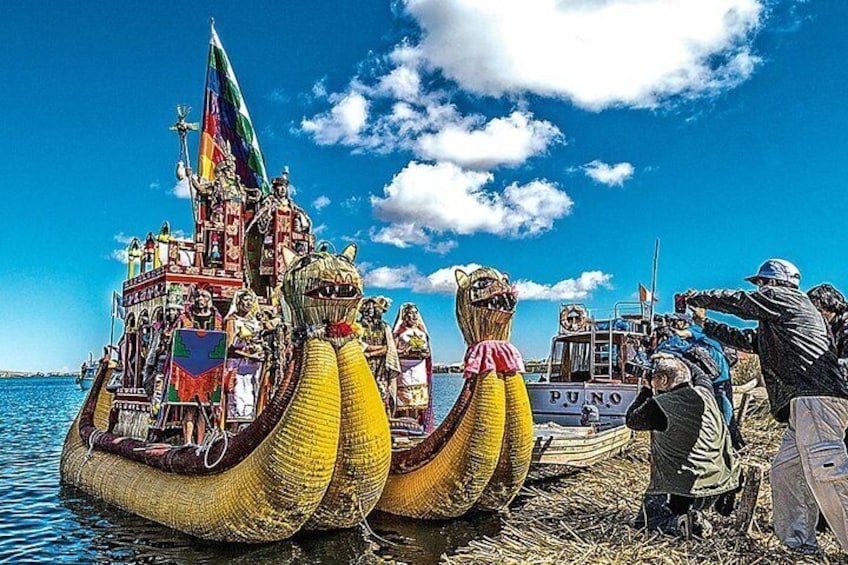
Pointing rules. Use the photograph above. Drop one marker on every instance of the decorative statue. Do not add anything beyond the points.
(214, 256)
(160, 344)
(380, 349)
(225, 186)
(242, 377)
(574, 318)
(413, 385)
(199, 315)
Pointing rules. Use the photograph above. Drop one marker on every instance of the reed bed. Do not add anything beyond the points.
(586, 517)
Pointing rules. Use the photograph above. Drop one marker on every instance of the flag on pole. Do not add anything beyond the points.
(645, 294)
(226, 120)
(117, 305)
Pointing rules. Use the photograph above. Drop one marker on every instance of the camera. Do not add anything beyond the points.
(680, 304)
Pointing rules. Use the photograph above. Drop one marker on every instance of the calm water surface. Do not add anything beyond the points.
(43, 522)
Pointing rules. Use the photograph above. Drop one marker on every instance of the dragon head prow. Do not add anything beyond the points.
(485, 305)
(323, 288)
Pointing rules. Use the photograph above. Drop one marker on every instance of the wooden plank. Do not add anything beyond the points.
(580, 451)
(748, 501)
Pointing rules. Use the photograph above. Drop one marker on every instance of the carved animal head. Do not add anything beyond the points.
(323, 288)
(485, 304)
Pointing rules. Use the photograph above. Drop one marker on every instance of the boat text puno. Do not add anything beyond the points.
(593, 375)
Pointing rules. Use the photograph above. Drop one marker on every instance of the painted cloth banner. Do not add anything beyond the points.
(226, 120)
(196, 367)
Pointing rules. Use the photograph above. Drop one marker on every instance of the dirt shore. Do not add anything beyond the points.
(585, 517)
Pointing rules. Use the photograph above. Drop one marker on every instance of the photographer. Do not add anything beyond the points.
(806, 389)
(692, 461)
(691, 340)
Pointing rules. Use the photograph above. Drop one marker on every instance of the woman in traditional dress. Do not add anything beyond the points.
(414, 384)
(379, 348)
(244, 360)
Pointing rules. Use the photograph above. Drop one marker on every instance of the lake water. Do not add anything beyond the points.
(40, 521)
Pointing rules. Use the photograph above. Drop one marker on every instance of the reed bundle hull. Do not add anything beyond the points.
(365, 446)
(516, 450)
(444, 476)
(267, 496)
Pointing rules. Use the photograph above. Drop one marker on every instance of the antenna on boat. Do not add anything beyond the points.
(182, 127)
(654, 279)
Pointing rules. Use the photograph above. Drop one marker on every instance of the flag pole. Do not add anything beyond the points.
(112, 329)
(654, 279)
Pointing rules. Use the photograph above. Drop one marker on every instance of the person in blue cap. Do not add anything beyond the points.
(807, 390)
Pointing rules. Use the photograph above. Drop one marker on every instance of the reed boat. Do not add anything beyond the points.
(296, 436)
(316, 457)
(480, 454)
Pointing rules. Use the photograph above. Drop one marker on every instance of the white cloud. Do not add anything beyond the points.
(182, 189)
(402, 83)
(597, 54)
(401, 235)
(610, 175)
(321, 202)
(502, 141)
(443, 281)
(407, 235)
(342, 123)
(566, 289)
(154, 185)
(442, 198)
(120, 255)
(351, 204)
(319, 89)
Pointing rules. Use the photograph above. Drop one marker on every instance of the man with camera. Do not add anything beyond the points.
(691, 340)
(806, 389)
(692, 461)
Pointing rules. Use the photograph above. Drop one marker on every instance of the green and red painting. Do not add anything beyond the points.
(197, 366)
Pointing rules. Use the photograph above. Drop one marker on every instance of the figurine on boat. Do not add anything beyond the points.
(380, 349)
(414, 384)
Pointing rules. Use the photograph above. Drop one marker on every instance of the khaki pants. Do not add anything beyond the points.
(810, 472)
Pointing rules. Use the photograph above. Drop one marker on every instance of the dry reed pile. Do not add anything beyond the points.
(586, 517)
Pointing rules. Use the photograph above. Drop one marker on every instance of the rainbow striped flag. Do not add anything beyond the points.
(226, 119)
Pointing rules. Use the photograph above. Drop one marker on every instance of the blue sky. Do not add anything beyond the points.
(434, 134)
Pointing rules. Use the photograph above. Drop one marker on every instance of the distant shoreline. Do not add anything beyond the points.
(32, 375)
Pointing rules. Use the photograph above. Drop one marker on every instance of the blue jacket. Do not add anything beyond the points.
(715, 349)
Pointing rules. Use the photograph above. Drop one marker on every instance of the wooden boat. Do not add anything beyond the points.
(592, 376)
(88, 370)
(480, 454)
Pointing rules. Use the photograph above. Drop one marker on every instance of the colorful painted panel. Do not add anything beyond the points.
(197, 366)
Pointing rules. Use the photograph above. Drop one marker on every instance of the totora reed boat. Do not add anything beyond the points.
(267, 420)
(480, 455)
(247, 427)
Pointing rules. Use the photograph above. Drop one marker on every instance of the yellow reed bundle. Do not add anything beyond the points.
(103, 408)
(516, 450)
(449, 484)
(365, 446)
(266, 497)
